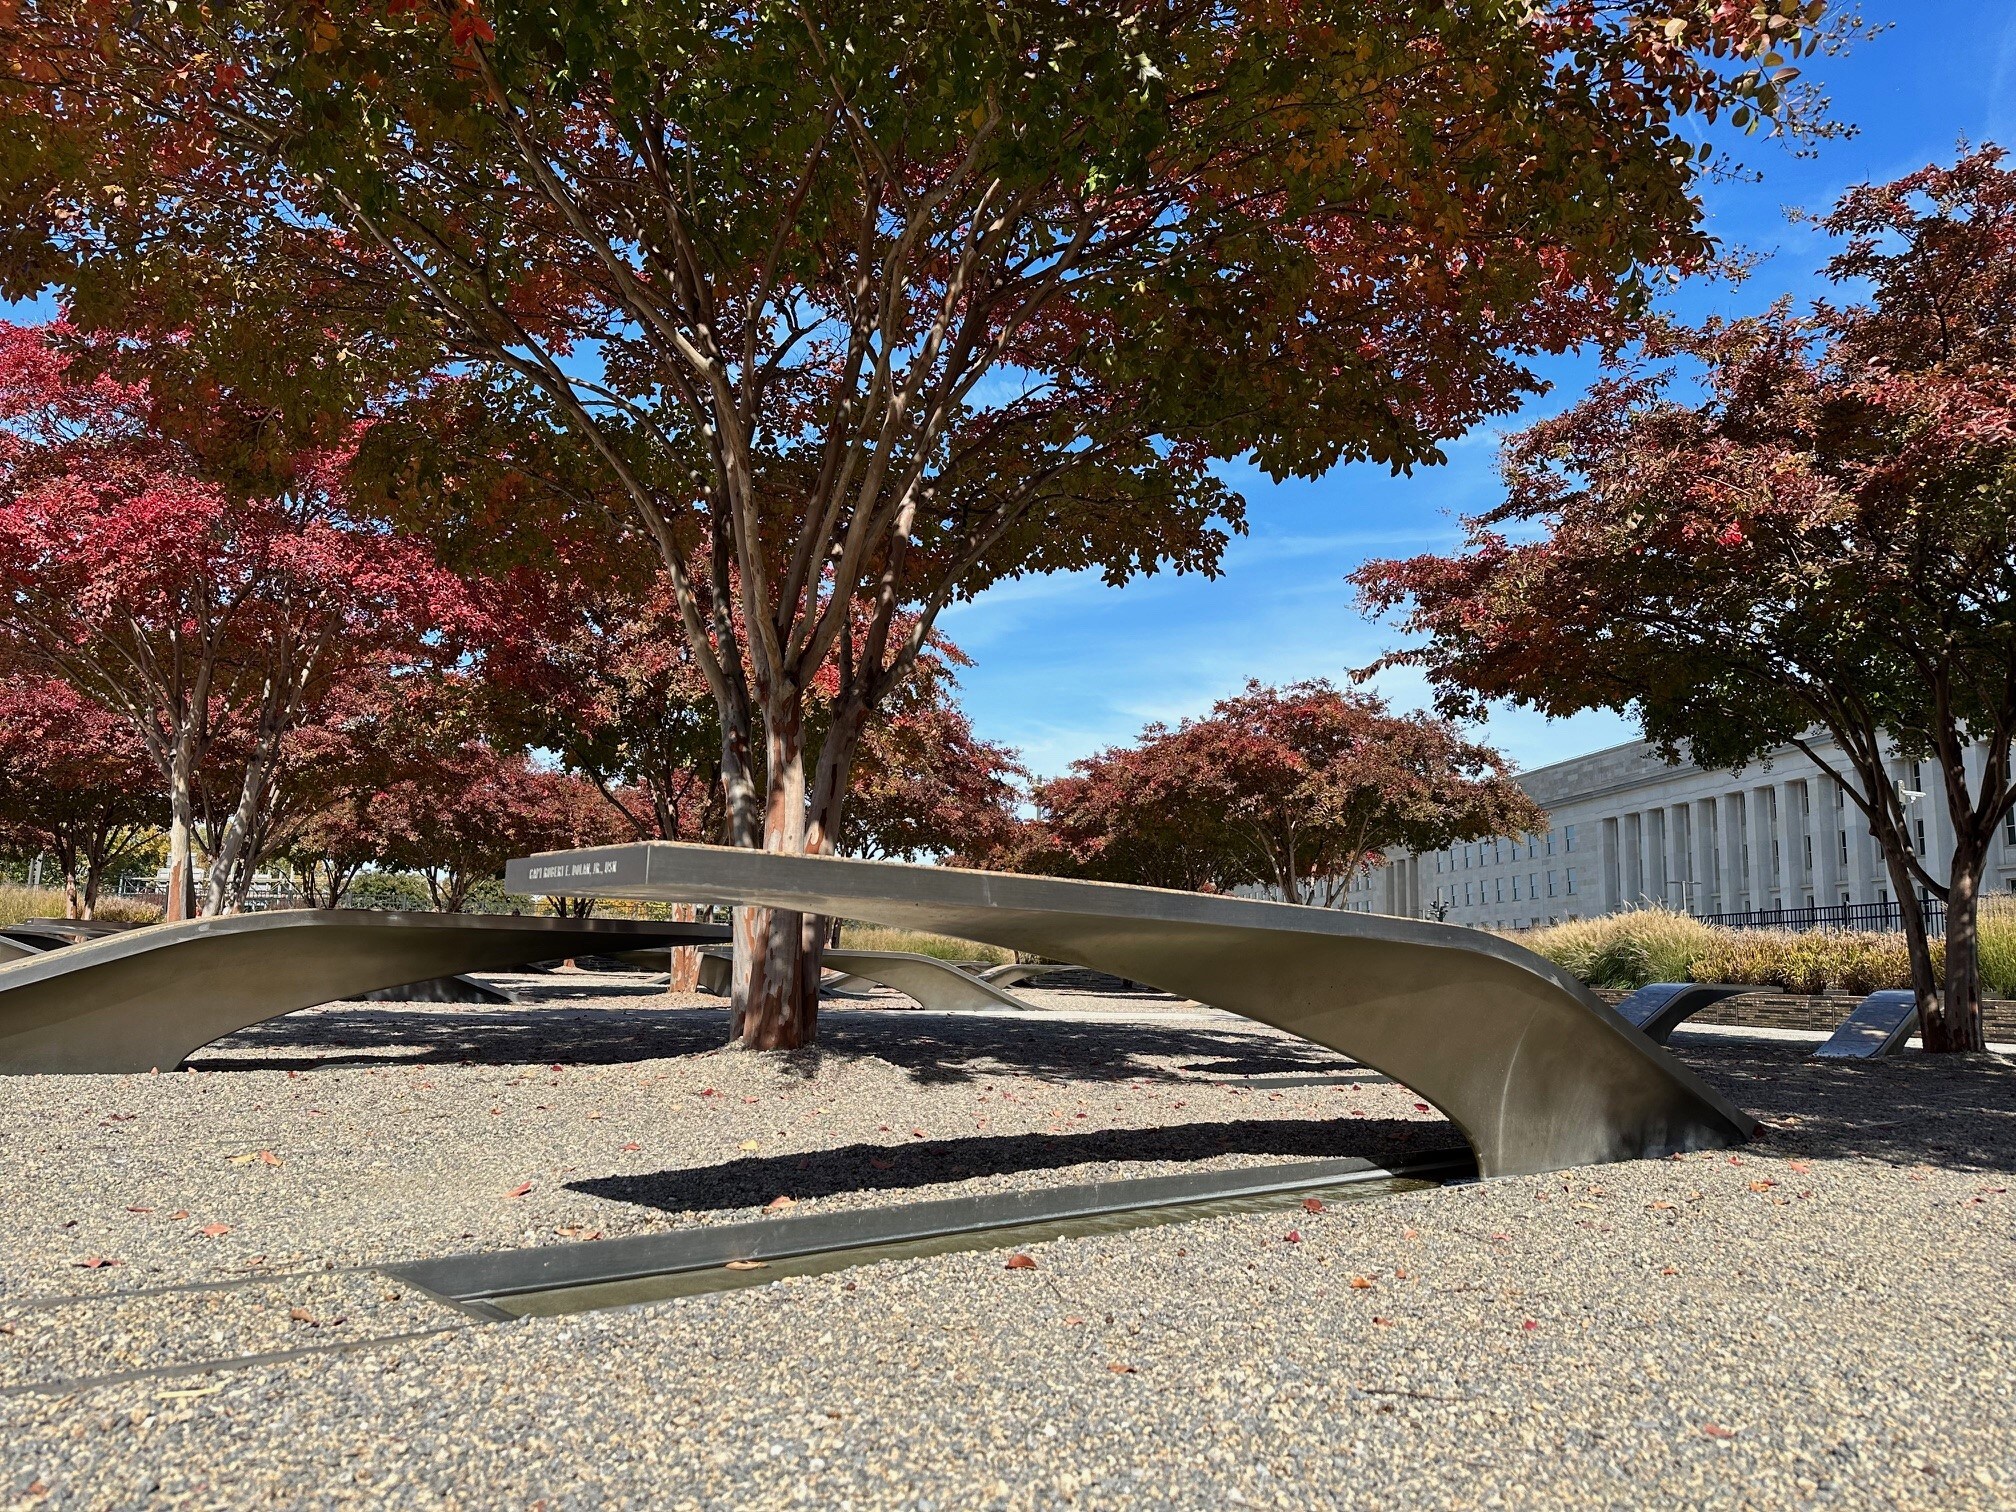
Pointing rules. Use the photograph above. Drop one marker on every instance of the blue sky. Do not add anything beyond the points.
(1066, 665)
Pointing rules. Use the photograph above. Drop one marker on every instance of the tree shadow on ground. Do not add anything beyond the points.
(933, 1048)
(862, 1168)
(1951, 1111)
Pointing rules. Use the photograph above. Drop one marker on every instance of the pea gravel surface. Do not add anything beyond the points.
(1823, 1318)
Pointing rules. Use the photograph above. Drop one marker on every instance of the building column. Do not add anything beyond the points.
(1796, 820)
(1609, 883)
(1707, 886)
(1730, 835)
(1673, 858)
(1824, 818)
(1757, 836)
(1650, 863)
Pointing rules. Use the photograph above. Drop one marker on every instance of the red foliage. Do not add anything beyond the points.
(216, 624)
(74, 781)
(1297, 790)
(1820, 537)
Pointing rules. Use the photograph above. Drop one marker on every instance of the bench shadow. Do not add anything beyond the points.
(933, 1048)
(862, 1168)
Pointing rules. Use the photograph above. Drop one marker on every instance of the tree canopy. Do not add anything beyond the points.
(1773, 526)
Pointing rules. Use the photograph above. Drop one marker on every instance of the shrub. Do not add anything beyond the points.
(875, 937)
(1625, 949)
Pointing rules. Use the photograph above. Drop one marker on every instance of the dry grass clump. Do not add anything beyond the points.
(1625, 949)
(18, 903)
(1643, 945)
(945, 948)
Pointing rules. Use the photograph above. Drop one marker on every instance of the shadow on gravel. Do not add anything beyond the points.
(752, 1182)
(1952, 1111)
(932, 1048)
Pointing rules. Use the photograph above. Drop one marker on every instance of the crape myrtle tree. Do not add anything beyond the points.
(863, 307)
(1814, 533)
(1298, 790)
(216, 623)
(76, 782)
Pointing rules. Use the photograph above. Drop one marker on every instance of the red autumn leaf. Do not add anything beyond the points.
(1529, 1325)
(1420, 1107)
(779, 1203)
(1312, 1204)
(628, 1147)
(96, 1262)
(520, 1190)
(214, 1230)
(1119, 1369)
(1362, 1283)
(1293, 1236)
(1020, 1262)
(1717, 1431)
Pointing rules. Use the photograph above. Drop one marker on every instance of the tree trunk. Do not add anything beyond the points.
(1917, 941)
(770, 944)
(1955, 1023)
(181, 826)
(685, 958)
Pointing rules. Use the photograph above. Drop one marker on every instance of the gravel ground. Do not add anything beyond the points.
(1824, 1318)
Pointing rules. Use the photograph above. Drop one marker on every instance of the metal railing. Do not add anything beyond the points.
(1880, 917)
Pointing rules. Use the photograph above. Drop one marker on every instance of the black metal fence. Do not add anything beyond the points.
(1870, 916)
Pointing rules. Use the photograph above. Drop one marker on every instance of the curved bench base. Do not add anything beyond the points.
(146, 998)
(1536, 1072)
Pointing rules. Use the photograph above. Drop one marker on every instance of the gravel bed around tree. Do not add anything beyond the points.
(1822, 1318)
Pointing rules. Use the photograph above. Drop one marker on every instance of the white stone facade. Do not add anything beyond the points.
(1626, 829)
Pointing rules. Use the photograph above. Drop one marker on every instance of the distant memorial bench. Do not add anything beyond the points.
(138, 999)
(1536, 1072)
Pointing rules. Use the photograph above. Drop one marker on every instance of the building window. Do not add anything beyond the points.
(1568, 837)
(2009, 827)
(1808, 839)
(1533, 884)
(1570, 874)
(1500, 886)
(1843, 838)
(1467, 886)
(1515, 887)
(1550, 842)
(1918, 830)
(1552, 882)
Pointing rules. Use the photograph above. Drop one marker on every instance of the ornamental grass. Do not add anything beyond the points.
(18, 904)
(1637, 946)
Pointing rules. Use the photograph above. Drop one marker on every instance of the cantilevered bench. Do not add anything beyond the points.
(146, 998)
(1878, 1025)
(1536, 1072)
(1662, 1007)
(933, 983)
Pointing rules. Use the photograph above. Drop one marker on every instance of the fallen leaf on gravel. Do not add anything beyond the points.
(779, 1203)
(179, 1213)
(1799, 1166)
(1529, 1325)
(1383, 1322)
(748, 1144)
(1668, 1271)
(139, 1210)
(267, 1157)
(1293, 1236)
(1662, 1207)
(1717, 1431)
(519, 1191)
(1420, 1107)
(1118, 1369)
(1312, 1204)
(214, 1230)
(96, 1262)
(1361, 1283)
(1073, 1322)
(1020, 1262)
(741, 1265)
(633, 1147)
(577, 1231)
(244, 1159)
(1762, 1186)
(302, 1315)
